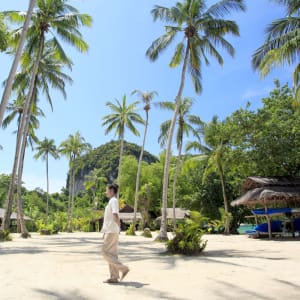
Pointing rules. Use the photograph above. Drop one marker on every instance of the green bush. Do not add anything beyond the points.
(147, 233)
(187, 239)
(44, 229)
(5, 236)
(130, 230)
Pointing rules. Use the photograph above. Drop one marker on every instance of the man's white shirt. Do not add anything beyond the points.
(109, 225)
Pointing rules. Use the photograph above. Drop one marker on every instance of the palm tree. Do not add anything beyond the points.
(44, 149)
(213, 153)
(72, 148)
(282, 44)
(203, 30)
(64, 20)
(49, 74)
(146, 98)
(123, 116)
(13, 70)
(186, 124)
(15, 111)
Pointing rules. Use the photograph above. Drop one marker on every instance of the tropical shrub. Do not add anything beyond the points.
(147, 233)
(187, 239)
(5, 236)
(130, 230)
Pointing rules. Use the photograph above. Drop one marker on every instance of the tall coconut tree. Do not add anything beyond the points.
(46, 148)
(123, 116)
(282, 44)
(73, 147)
(50, 74)
(15, 111)
(146, 98)
(213, 152)
(202, 30)
(64, 22)
(17, 57)
(187, 124)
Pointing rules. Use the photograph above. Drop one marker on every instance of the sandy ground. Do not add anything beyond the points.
(69, 266)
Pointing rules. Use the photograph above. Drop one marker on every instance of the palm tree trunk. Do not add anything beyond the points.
(47, 176)
(10, 194)
(163, 236)
(25, 121)
(72, 202)
(178, 165)
(120, 163)
(138, 175)
(227, 221)
(70, 195)
(24, 231)
(12, 73)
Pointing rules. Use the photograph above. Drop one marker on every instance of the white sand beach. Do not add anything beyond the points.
(69, 266)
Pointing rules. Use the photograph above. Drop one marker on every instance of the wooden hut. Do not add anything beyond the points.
(13, 216)
(269, 193)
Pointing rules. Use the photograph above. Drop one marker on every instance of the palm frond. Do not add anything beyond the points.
(178, 55)
(224, 7)
(161, 44)
(168, 105)
(164, 131)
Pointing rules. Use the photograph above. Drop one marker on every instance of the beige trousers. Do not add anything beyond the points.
(110, 254)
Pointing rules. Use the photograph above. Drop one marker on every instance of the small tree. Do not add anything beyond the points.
(44, 149)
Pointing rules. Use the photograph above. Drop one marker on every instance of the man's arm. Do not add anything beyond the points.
(117, 219)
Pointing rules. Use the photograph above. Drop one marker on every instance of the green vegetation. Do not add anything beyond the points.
(130, 230)
(203, 176)
(72, 148)
(105, 160)
(202, 31)
(264, 142)
(123, 117)
(5, 236)
(147, 233)
(187, 240)
(282, 44)
(4, 36)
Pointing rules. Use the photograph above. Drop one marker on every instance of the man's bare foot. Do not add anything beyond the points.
(111, 280)
(124, 274)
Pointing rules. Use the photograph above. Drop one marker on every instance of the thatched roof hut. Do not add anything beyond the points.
(13, 216)
(256, 182)
(270, 191)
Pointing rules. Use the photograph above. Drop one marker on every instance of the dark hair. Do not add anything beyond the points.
(113, 187)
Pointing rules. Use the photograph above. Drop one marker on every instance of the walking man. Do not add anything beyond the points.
(111, 230)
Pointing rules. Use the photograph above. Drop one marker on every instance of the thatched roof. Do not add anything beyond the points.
(259, 182)
(275, 194)
(13, 216)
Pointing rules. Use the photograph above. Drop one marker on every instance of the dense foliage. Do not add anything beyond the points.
(105, 159)
(264, 142)
(3, 35)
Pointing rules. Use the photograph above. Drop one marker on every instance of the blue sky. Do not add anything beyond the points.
(116, 64)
